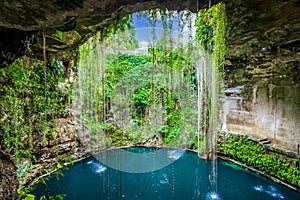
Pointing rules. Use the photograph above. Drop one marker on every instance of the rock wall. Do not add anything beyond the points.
(264, 111)
(8, 177)
(78, 20)
(57, 148)
(34, 135)
(262, 74)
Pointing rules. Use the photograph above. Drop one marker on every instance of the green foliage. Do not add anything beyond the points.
(252, 154)
(124, 40)
(56, 197)
(102, 74)
(59, 34)
(204, 31)
(138, 71)
(141, 101)
(119, 66)
(118, 137)
(119, 24)
(211, 27)
(149, 93)
(24, 194)
(27, 110)
(210, 33)
(57, 67)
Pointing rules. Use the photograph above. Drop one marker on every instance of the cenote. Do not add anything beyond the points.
(186, 177)
(149, 93)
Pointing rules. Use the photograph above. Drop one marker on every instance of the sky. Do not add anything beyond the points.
(144, 30)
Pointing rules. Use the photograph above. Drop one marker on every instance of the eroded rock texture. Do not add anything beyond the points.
(8, 177)
(262, 74)
(77, 19)
(14, 44)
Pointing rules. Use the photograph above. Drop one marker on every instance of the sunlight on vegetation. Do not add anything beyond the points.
(252, 154)
(162, 91)
(26, 111)
(128, 96)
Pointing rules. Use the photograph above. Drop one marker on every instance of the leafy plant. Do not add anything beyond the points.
(210, 32)
(24, 193)
(249, 152)
(27, 110)
(59, 34)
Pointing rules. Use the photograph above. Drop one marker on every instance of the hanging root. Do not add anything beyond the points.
(45, 62)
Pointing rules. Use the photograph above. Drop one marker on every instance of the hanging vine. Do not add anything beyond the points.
(210, 33)
(211, 26)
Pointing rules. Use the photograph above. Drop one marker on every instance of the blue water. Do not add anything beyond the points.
(184, 179)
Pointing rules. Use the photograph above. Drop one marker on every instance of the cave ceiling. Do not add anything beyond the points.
(254, 26)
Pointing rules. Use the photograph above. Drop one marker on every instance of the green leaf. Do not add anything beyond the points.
(43, 181)
(29, 197)
(60, 196)
(59, 34)
(21, 191)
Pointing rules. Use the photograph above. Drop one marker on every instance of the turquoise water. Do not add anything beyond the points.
(184, 179)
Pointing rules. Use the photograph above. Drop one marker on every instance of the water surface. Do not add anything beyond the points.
(184, 179)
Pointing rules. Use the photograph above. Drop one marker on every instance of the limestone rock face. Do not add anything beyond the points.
(14, 44)
(8, 176)
(35, 15)
(256, 27)
(262, 74)
(264, 41)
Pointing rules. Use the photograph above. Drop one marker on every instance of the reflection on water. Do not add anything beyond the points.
(270, 190)
(212, 196)
(175, 154)
(164, 179)
(185, 178)
(96, 167)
